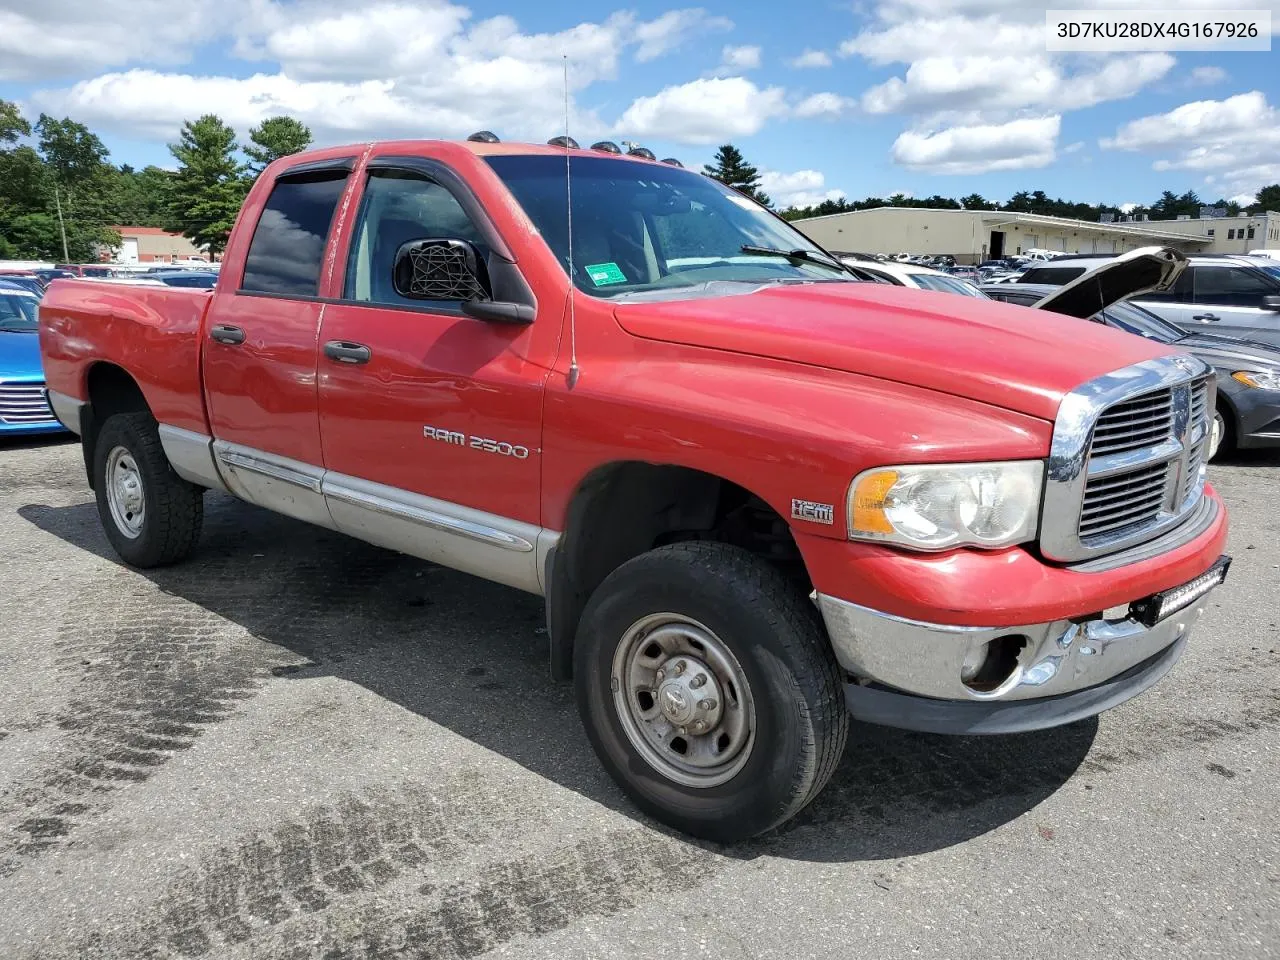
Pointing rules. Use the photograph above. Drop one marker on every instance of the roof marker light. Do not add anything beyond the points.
(606, 146)
(673, 161)
(644, 153)
(484, 136)
(567, 142)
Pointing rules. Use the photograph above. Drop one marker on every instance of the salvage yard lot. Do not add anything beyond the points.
(297, 745)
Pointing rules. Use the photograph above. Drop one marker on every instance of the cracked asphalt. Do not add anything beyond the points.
(298, 746)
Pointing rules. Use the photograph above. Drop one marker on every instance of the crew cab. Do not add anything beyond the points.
(758, 495)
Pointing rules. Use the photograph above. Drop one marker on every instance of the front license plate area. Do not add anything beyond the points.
(1151, 610)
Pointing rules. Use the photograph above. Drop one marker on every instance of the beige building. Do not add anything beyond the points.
(975, 235)
(153, 245)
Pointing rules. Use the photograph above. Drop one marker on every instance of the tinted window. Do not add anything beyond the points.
(17, 313)
(288, 243)
(1231, 286)
(1056, 276)
(399, 207)
(1181, 292)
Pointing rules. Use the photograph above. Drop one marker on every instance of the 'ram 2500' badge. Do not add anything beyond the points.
(459, 439)
(813, 512)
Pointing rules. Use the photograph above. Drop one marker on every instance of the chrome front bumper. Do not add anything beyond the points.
(921, 663)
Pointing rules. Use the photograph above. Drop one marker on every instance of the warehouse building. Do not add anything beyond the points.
(975, 235)
(153, 245)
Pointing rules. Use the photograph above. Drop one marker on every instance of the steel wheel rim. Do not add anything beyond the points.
(126, 496)
(1215, 434)
(646, 703)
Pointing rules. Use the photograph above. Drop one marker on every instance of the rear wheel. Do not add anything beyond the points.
(150, 514)
(709, 690)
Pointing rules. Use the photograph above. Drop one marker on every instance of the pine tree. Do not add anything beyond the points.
(206, 192)
(274, 138)
(733, 171)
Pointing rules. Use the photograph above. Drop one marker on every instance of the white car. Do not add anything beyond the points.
(911, 275)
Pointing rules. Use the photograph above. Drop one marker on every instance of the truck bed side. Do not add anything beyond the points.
(151, 333)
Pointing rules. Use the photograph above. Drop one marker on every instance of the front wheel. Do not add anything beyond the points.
(150, 514)
(1222, 436)
(709, 690)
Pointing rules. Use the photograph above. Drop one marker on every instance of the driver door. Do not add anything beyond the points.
(430, 420)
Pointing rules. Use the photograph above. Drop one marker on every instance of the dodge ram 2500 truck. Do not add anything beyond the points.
(758, 495)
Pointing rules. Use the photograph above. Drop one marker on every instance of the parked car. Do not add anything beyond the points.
(1233, 296)
(910, 275)
(28, 282)
(1247, 412)
(757, 495)
(48, 276)
(187, 278)
(23, 407)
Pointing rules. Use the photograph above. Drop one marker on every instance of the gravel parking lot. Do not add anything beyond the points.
(299, 746)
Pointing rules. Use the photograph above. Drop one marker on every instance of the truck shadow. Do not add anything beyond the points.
(471, 656)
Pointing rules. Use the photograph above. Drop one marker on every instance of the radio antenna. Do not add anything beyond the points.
(568, 194)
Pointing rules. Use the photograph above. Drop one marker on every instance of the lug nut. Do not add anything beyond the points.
(698, 681)
(706, 704)
(699, 726)
(678, 668)
(662, 674)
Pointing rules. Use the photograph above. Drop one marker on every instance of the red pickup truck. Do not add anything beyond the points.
(759, 495)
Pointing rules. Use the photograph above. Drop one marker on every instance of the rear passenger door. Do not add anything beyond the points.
(260, 351)
(1174, 305)
(1230, 300)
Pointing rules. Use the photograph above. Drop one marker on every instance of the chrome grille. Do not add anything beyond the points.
(1123, 500)
(24, 403)
(1134, 424)
(1126, 458)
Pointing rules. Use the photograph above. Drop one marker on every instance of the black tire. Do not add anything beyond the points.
(173, 509)
(776, 636)
(1226, 442)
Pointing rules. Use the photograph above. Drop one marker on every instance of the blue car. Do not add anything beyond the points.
(23, 407)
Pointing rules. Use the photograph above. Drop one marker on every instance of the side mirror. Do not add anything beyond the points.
(439, 269)
(453, 270)
(1271, 303)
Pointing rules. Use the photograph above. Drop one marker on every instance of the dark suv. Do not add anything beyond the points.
(1234, 296)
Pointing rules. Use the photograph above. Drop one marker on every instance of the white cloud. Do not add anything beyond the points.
(1207, 76)
(829, 106)
(59, 37)
(1128, 207)
(674, 28)
(811, 59)
(740, 58)
(1074, 147)
(803, 188)
(712, 110)
(397, 67)
(1233, 141)
(1016, 145)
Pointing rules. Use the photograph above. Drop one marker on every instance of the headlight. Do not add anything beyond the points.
(935, 506)
(1261, 379)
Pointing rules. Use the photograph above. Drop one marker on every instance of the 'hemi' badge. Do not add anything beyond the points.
(813, 512)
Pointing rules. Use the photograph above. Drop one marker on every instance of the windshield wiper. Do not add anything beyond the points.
(808, 256)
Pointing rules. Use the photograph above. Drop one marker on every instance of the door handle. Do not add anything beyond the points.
(345, 351)
(1209, 317)
(224, 333)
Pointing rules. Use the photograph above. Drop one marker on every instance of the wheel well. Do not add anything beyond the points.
(111, 390)
(623, 510)
(1229, 416)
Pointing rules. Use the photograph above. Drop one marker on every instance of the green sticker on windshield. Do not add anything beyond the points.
(603, 274)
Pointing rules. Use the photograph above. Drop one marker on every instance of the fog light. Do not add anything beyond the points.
(989, 666)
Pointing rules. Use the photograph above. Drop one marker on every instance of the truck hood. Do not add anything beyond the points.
(1145, 270)
(966, 346)
(20, 356)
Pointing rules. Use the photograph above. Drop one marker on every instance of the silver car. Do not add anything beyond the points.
(1231, 296)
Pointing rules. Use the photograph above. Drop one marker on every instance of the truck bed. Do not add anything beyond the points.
(84, 325)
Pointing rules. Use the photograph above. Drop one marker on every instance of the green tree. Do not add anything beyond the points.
(206, 192)
(274, 138)
(732, 170)
(12, 123)
(1268, 198)
(976, 201)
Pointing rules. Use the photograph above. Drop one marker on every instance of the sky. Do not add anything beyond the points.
(828, 99)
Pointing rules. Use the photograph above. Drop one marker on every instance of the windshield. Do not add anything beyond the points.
(650, 227)
(1272, 272)
(931, 281)
(1132, 319)
(17, 313)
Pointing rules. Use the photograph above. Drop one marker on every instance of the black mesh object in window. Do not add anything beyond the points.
(439, 270)
(288, 243)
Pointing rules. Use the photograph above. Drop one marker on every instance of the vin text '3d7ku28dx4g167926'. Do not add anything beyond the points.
(758, 494)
